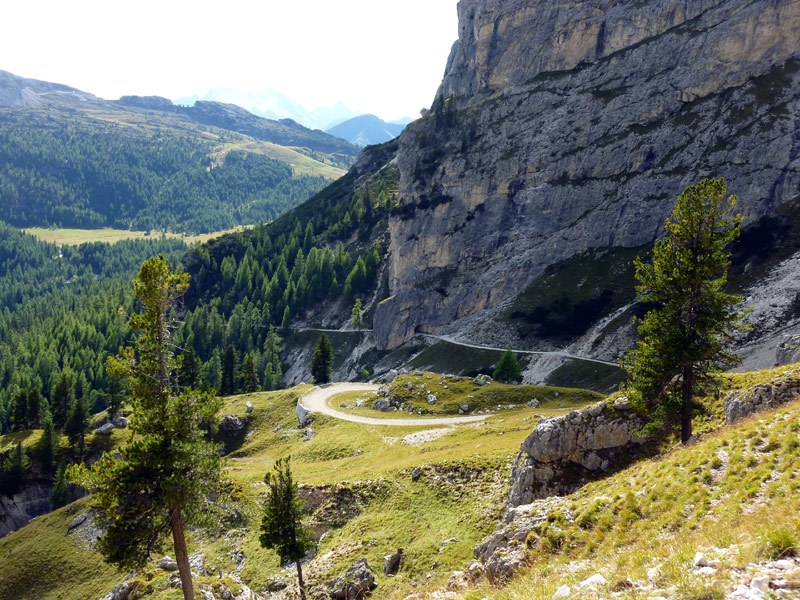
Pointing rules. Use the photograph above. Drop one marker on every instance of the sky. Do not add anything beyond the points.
(376, 56)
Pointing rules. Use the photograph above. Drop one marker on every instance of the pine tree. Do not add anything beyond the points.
(286, 322)
(684, 339)
(48, 443)
(228, 373)
(77, 425)
(61, 400)
(20, 415)
(322, 362)
(34, 408)
(281, 527)
(61, 486)
(114, 396)
(187, 369)
(166, 474)
(249, 375)
(356, 316)
(508, 369)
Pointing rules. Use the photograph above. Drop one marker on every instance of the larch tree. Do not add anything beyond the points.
(166, 473)
(282, 527)
(684, 338)
(357, 315)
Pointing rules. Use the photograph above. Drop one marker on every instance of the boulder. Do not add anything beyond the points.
(248, 407)
(119, 421)
(123, 591)
(416, 473)
(381, 404)
(232, 424)
(357, 582)
(167, 564)
(391, 562)
(104, 429)
(303, 416)
(622, 404)
(431, 399)
(533, 403)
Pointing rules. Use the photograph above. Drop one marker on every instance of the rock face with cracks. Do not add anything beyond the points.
(574, 125)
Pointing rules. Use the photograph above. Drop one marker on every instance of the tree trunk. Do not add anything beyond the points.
(300, 580)
(181, 553)
(686, 404)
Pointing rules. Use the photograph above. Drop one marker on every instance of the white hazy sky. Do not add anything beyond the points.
(379, 56)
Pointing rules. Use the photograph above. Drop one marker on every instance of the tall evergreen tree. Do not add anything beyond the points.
(61, 400)
(684, 338)
(286, 322)
(48, 443)
(187, 369)
(282, 527)
(61, 486)
(357, 316)
(20, 413)
(167, 473)
(34, 408)
(249, 375)
(77, 425)
(228, 373)
(322, 361)
(507, 369)
(114, 395)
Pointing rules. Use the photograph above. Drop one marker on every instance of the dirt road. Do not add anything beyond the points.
(316, 400)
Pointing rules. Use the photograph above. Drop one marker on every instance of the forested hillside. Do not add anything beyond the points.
(329, 248)
(61, 306)
(91, 174)
(60, 312)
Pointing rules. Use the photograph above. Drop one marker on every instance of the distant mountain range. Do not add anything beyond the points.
(271, 104)
(366, 130)
(69, 158)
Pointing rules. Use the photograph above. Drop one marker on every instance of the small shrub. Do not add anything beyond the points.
(716, 462)
(780, 543)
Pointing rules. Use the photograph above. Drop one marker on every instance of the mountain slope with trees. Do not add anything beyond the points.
(69, 159)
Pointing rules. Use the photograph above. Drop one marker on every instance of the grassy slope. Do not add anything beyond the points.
(728, 496)
(460, 495)
(454, 392)
(690, 498)
(75, 237)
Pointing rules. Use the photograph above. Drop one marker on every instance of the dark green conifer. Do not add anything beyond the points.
(282, 528)
(322, 361)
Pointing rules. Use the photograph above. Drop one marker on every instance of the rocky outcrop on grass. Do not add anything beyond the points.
(563, 452)
(763, 396)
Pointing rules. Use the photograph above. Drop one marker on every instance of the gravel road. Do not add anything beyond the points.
(316, 400)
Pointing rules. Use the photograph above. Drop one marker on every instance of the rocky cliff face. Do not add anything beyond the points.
(574, 125)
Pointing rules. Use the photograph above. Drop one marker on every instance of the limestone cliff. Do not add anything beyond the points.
(574, 125)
